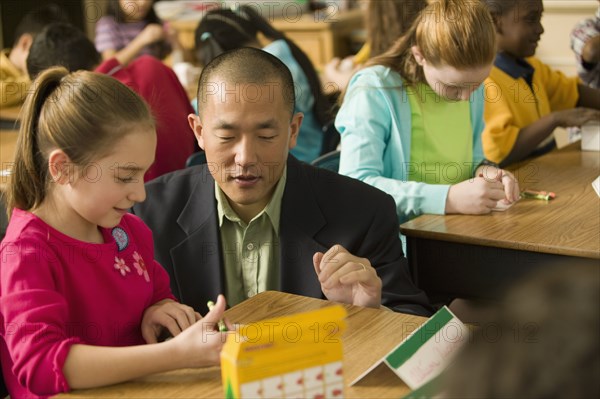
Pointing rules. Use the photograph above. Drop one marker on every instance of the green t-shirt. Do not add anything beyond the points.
(441, 149)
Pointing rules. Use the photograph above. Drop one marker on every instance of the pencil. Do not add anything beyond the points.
(221, 324)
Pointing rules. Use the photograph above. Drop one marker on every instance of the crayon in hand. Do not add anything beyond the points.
(221, 323)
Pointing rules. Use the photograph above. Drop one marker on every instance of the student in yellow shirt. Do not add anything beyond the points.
(14, 80)
(525, 99)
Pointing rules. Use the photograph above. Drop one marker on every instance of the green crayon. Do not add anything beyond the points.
(221, 324)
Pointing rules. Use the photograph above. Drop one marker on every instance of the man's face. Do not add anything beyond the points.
(246, 131)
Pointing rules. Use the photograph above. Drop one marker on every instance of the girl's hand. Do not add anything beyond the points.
(201, 344)
(338, 73)
(511, 185)
(152, 33)
(168, 314)
(171, 36)
(476, 196)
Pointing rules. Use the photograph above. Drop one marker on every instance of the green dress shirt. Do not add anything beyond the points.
(250, 251)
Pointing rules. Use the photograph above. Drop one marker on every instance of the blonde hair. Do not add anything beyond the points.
(457, 33)
(81, 113)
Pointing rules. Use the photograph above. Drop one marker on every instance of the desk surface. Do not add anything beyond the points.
(326, 20)
(10, 113)
(8, 145)
(296, 22)
(371, 333)
(321, 36)
(568, 225)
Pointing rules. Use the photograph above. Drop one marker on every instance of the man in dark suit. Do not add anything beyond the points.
(270, 222)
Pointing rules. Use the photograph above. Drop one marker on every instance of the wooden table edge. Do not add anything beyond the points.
(486, 242)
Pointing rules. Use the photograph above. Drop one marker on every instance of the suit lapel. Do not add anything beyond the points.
(301, 219)
(197, 259)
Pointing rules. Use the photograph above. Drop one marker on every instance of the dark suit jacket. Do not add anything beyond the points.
(319, 209)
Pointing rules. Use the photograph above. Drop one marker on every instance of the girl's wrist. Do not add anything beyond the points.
(173, 351)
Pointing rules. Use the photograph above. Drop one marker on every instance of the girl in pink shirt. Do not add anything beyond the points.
(80, 292)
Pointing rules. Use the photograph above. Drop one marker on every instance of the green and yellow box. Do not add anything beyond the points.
(298, 356)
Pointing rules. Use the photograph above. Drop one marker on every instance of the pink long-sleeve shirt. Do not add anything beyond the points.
(56, 291)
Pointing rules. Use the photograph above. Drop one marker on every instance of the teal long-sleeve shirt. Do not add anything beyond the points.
(376, 130)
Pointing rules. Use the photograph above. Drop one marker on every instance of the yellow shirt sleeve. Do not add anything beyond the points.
(562, 91)
(511, 105)
(501, 130)
(13, 83)
(363, 54)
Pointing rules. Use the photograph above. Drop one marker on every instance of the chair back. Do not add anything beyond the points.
(329, 161)
(331, 138)
(197, 158)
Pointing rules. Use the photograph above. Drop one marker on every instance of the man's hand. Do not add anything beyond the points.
(347, 278)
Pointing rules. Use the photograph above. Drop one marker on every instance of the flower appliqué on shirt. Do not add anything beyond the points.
(140, 266)
(121, 266)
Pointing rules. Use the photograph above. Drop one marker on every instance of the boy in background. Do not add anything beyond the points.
(525, 98)
(65, 45)
(14, 80)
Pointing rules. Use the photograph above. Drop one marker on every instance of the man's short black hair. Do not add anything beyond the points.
(61, 45)
(248, 65)
(35, 21)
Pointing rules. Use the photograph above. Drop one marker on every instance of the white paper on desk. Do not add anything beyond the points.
(590, 136)
(561, 137)
(596, 185)
(425, 353)
(501, 206)
(565, 136)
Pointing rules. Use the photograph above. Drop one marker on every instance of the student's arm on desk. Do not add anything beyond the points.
(199, 345)
(588, 97)
(530, 136)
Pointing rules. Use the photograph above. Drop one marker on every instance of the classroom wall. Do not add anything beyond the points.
(559, 18)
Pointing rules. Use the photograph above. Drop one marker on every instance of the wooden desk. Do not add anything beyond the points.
(9, 117)
(320, 38)
(8, 145)
(323, 39)
(371, 333)
(10, 113)
(479, 256)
